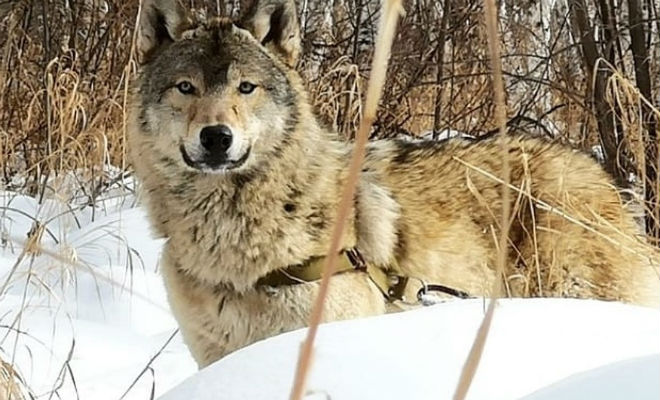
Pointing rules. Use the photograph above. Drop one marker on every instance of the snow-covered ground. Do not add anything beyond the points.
(533, 344)
(87, 331)
(102, 330)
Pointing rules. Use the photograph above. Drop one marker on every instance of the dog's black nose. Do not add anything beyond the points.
(216, 139)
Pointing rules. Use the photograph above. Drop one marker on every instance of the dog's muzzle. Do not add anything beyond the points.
(213, 163)
(215, 144)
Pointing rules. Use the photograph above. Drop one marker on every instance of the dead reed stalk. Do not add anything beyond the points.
(472, 362)
(391, 9)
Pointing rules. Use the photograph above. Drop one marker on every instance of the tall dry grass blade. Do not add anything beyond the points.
(391, 9)
(149, 364)
(474, 357)
(472, 362)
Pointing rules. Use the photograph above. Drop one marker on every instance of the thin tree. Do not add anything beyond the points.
(597, 76)
(643, 79)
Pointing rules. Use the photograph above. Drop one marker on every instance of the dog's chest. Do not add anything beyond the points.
(215, 322)
(236, 240)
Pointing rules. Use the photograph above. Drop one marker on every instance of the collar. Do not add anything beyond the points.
(391, 285)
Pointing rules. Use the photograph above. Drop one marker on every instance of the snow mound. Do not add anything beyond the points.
(630, 379)
(419, 354)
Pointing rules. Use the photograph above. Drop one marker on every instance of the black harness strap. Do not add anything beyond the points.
(442, 289)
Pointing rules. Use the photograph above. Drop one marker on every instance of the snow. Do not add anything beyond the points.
(107, 317)
(631, 379)
(419, 354)
(100, 323)
(443, 135)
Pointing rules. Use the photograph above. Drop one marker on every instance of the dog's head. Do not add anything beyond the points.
(215, 95)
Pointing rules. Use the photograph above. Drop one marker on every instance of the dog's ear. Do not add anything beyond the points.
(274, 23)
(161, 21)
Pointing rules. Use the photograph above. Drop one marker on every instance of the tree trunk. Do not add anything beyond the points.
(440, 59)
(604, 114)
(348, 99)
(609, 30)
(643, 79)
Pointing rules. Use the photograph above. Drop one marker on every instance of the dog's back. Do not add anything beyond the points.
(570, 235)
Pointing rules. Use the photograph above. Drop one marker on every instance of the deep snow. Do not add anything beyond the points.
(419, 354)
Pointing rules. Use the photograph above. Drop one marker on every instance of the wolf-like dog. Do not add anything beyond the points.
(243, 181)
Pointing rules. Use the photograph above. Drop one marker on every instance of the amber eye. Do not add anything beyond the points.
(246, 87)
(185, 87)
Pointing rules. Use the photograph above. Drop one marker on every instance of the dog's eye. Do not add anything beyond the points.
(186, 87)
(246, 87)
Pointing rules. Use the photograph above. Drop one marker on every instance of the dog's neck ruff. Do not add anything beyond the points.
(391, 285)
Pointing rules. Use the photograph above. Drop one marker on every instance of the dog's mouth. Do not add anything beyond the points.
(214, 164)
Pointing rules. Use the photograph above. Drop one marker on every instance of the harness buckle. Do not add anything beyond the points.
(397, 287)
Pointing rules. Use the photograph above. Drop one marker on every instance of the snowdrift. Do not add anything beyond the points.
(534, 350)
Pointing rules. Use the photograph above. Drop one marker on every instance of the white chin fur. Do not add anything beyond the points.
(237, 150)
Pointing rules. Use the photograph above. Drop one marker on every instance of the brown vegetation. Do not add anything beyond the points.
(65, 67)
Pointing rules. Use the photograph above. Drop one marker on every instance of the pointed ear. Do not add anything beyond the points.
(161, 21)
(274, 23)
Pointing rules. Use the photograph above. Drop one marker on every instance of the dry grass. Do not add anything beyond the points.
(12, 386)
(64, 113)
(63, 97)
(627, 104)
